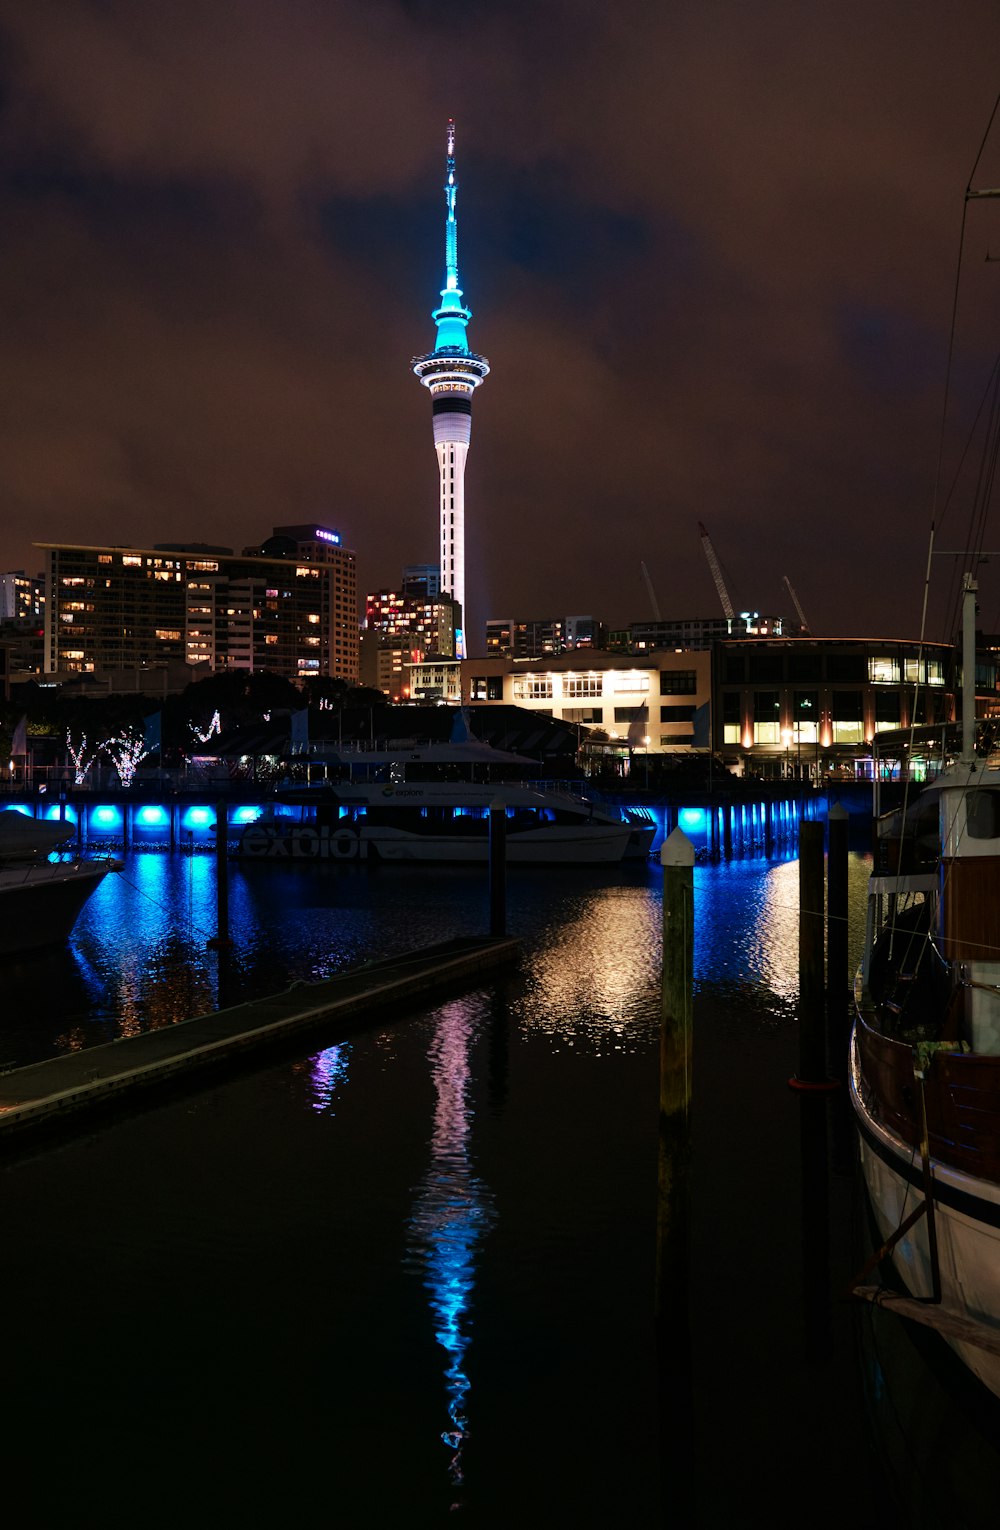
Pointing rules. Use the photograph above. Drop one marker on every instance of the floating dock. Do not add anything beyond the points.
(46, 1094)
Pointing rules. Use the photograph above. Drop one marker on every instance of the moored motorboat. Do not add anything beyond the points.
(40, 898)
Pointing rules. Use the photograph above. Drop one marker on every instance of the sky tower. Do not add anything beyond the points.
(452, 373)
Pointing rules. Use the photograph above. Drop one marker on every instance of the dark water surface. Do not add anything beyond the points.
(407, 1279)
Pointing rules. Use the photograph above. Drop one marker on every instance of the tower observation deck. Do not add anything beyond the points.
(452, 373)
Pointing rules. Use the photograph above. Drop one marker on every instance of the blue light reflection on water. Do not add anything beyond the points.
(451, 1212)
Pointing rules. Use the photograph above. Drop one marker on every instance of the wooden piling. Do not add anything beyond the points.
(221, 941)
(812, 1007)
(838, 984)
(676, 1055)
(498, 867)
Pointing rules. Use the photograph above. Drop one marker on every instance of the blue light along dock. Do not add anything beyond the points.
(44, 1095)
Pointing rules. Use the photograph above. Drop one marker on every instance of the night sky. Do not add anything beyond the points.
(710, 250)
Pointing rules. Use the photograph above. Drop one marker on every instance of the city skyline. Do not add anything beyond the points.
(713, 255)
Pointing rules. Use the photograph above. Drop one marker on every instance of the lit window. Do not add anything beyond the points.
(883, 671)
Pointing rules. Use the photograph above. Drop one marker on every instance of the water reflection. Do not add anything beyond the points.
(328, 1071)
(594, 966)
(138, 959)
(451, 1213)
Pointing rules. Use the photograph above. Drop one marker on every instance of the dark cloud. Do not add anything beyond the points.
(710, 251)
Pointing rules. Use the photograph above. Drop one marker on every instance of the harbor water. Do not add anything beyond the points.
(407, 1277)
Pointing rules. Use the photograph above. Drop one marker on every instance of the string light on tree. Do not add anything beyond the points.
(125, 754)
(78, 754)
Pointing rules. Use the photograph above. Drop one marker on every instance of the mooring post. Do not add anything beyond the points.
(812, 994)
(838, 984)
(221, 940)
(673, 1211)
(498, 867)
(673, 1204)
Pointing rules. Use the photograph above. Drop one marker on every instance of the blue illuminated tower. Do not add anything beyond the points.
(452, 373)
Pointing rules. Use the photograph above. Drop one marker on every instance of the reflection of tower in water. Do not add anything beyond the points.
(453, 1209)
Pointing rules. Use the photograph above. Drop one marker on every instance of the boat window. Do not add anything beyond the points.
(983, 815)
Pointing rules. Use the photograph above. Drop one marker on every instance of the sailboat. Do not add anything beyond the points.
(924, 1072)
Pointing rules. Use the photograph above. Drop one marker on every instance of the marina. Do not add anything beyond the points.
(384, 1250)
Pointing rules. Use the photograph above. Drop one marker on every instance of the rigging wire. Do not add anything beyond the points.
(936, 491)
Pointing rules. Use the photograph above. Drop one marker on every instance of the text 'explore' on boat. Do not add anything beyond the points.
(925, 1052)
(40, 898)
(410, 801)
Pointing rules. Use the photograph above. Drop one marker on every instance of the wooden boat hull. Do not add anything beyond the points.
(961, 1094)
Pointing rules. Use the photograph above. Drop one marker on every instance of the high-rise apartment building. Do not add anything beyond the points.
(452, 373)
(422, 579)
(22, 598)
(414, 621)
(288, 606)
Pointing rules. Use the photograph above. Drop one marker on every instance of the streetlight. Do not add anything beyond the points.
(786, 734)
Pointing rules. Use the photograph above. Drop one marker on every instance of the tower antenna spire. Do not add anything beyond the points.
(451, 223)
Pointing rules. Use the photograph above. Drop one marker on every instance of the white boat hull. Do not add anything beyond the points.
(967, 1224)
(39, 904)
(550, 844)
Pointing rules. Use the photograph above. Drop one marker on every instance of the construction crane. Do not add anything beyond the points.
(713, 563)
(795, 602)
(654, 603)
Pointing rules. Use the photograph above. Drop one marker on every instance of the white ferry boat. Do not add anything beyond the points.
(383, 810)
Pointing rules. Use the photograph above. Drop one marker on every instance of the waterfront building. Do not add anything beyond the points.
(288, 606)
(513, 639)
(699, 632)
(657, 706)
(808, 707)
(452, 373)
(435, 680)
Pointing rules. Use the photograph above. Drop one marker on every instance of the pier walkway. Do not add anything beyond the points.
(44, 1094)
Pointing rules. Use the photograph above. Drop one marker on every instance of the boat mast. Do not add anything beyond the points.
(969, 588)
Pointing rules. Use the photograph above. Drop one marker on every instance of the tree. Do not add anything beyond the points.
(125, 753)
(78, 754)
